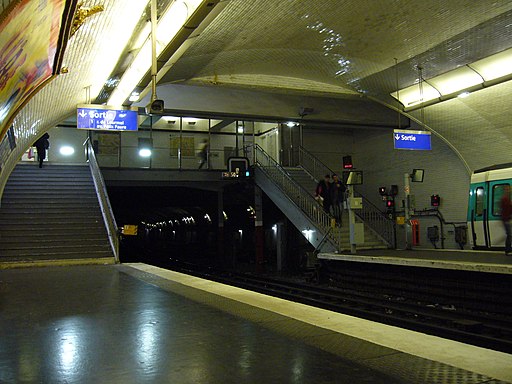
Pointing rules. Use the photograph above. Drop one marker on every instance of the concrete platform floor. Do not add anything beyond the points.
(136, 323)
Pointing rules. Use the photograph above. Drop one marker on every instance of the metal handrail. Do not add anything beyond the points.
(297, 194)
(101, 191)
(369, 214)
(376, 220)
(312, 165)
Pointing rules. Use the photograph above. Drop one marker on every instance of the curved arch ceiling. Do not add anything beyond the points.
(312, 47)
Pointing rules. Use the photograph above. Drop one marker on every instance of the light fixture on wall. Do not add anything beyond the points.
(145, 147)
(66, 150)
(461, 81)
(190, 120)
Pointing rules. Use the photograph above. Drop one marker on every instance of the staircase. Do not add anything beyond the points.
(292, 190)
(302, 177)
(51, 213)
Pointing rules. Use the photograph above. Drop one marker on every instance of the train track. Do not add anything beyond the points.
(433, 309)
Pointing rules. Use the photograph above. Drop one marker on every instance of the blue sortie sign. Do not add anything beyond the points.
(103, 118)
(416, 140)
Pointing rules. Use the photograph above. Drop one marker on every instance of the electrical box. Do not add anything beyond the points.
(356, 202)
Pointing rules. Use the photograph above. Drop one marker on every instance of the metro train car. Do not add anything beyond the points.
(484, 212)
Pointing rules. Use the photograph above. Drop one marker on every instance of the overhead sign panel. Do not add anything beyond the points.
(105, 118)
(413, 140)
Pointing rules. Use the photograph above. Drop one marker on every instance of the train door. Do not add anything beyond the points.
(484, 215)
(496, 232)
(477, 214)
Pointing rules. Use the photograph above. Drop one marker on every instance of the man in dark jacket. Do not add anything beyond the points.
(323, 190)
(337, 197)
(42, 144)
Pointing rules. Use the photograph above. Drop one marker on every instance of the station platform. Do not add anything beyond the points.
(135, 323)
(462, 260)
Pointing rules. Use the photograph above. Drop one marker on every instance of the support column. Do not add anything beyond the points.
(220, 225)
(280, 244)
(407, 207)
(351, 219)
(259, 234)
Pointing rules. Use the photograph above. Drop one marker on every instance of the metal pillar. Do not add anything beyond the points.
(280, 245)
(407, 207)
(259, 237)
(220, 224)
(351, 219)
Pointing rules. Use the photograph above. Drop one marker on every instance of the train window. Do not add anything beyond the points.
(497, 194)
(479, 201)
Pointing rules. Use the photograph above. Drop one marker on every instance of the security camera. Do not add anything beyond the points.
(155, 107)
(303, 111)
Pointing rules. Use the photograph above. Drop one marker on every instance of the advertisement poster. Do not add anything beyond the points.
(187, 146)
(30, 35)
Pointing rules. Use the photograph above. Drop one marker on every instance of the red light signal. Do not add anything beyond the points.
(435, 200)
(347, 162)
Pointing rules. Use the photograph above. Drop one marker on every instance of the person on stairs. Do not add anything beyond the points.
(337, 197)
(42, 144)
(323, 192)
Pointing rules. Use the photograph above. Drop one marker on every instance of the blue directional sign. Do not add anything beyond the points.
(415, 140)
(104, 118)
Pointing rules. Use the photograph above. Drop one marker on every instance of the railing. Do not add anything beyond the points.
(369, 213)
(376, 220)
(101, 191)
(161, 158)
(312, 165)
(297, 194)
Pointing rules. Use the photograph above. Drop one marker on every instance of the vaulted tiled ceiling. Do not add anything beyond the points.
(332, 48)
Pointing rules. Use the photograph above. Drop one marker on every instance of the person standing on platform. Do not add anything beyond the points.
(323, 191)
(203, 153)
(337, 197)
(506, 214)
(42, 144)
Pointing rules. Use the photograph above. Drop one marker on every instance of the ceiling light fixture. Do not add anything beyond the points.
(134, 96)
(458, 82)
(170, 22)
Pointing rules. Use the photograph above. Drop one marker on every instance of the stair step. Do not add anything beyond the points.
(49, 255)
(25, 210)
(29, 242)
(34, 201)
(20, 234)
(72, 186)
(54, 248)
(48, 225)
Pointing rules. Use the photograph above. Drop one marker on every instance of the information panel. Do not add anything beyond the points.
(104, 118)
(414, 140)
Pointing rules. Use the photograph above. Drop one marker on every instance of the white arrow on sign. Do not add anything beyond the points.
(82, 113)
(397, 137)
